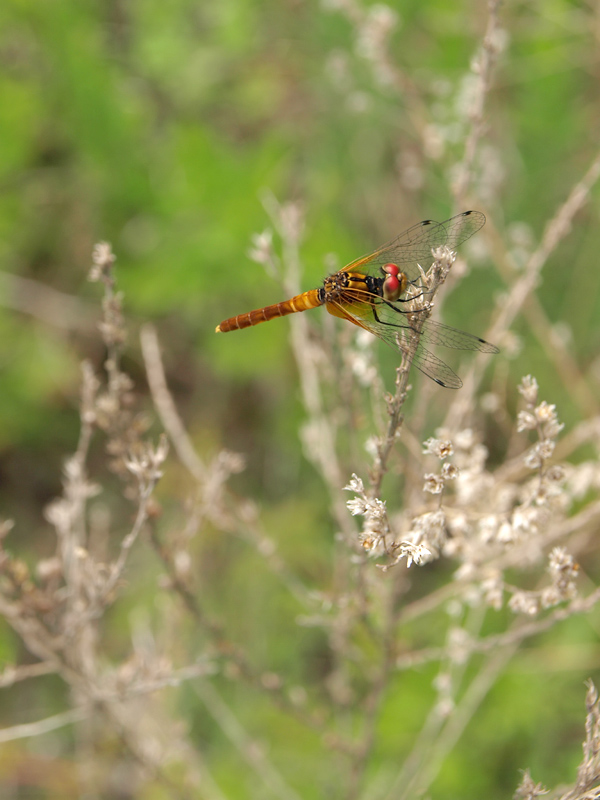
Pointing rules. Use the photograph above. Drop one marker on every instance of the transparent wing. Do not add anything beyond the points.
(389, 315)
(414, 246)
(423, 360)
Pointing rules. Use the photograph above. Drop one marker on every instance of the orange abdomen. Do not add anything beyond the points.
(302, 302)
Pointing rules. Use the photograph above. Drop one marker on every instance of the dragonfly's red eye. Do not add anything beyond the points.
(391, 269)
(392, 288)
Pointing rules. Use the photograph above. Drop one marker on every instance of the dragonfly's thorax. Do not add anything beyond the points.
(351, 286)
(360, 288)
(334, 284)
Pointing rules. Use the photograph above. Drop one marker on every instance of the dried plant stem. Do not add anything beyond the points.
(227, 512)
(436, 276)
(164, 404)
(250, 751)
(372, 704)
(483, 66)
(518, 298)
(518, 632)
(428, 757)
(321, 445)
(118, 567)
(216, 503)
(12, 675)
(49, 306)
(42, 726)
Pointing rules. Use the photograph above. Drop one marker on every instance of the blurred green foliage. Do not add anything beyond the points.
(158, 127)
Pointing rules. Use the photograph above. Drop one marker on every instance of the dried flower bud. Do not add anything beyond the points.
(528, 790)
(555, 473)
(545, 412)
(524, 603)
(356, 506)
(438, 447)
(433, 484)
(526, 421)
(355, 484)
(450, 472)
(415, 553)
(103, 259)
(529, 389)
(262, 247)
(465, 439)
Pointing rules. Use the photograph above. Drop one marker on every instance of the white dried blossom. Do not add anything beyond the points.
(583, 478)
(464, 574)
(429, 528)
(546, 448)
(442, 683)
(433, 483)
(539, 453)
(363, 368)
(355, 484)
(450, 472)
(370, 507)
(550, 596)
(376, 509)
(458, 524)
(479, 454)
(559, 560)
(529, 389)
(465, 439)
(182, 563)
(356, 506)
(377, 25)
(506, 533)
(262, 247)
(460, 645)
(417, 554)
(488, 528)
(532, 459)
(58, 513)
(372, 446)
(556, 474)
(229, 463)
(524, 603)
(528, 790)
(562, 566)
(373, 542)
(145, 462)
(548, 492)
(490, 402)
(525, 520)
(505, 497)
(526, 421)
(454, 547)
(473, 486)
(103, 259)
(438, 447)
(493, 589)
(444, 258)
(545, 412)
(553, 428)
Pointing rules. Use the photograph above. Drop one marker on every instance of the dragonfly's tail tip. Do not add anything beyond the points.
(218, 329)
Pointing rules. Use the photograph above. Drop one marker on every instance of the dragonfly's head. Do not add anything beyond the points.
(395, 282)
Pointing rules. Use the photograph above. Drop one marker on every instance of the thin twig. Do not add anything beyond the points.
(42, 726)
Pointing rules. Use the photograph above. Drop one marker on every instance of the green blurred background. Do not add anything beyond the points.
(159, 127)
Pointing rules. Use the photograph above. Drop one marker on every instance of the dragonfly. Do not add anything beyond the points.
(370, 293)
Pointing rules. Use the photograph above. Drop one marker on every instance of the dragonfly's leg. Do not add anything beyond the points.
(391, 324)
